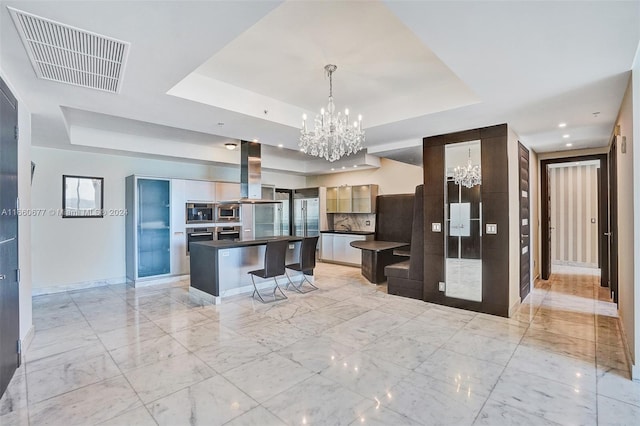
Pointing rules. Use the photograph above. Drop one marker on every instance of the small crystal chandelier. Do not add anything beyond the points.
(468, 176)
(333, 136)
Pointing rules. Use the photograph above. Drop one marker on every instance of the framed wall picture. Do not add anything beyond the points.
(82, 196)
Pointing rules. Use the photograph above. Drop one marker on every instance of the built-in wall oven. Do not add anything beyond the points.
(199, 234)
(228, 213)
(228, 232)
(200, 212)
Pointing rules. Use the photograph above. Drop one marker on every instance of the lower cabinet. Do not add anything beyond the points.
(337, 248)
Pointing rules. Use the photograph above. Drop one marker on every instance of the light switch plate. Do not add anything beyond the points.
(441, 286)
(436, 227)
(492, 228)
(291, 246)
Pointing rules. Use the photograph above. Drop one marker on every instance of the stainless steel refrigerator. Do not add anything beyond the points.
(306, 212)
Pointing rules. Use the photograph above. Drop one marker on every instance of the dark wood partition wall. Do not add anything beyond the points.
(495, 209)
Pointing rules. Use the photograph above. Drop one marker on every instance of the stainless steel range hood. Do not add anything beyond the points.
(251, 174)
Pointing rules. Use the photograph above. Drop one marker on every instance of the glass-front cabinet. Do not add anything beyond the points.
(148, 227)
(344, 199)
(332, 199)
(352, 199)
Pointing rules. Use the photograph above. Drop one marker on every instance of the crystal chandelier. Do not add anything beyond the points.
(333, 136)
(468, 176)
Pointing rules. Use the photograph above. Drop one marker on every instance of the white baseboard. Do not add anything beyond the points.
(39, 291)
(27, 339)
(514, 307)
(633, 368)
(161, 280)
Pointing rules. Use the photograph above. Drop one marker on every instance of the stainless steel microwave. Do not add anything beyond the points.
(228, 213)
(200, 212)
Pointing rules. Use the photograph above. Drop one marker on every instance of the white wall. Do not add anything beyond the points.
(392, 177)
(81, 252)
(628, 221)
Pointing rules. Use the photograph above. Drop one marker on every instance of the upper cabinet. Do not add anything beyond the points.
(227, 191)
(352, 199)
(199, 190)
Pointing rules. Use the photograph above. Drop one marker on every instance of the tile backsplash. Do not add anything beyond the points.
(353, 222)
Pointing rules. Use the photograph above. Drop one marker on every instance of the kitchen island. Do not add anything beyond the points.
(220, 268)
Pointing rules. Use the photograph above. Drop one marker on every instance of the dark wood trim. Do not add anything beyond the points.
(545, 247)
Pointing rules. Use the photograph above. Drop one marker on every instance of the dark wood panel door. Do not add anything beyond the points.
(9, 300)
(525, 250)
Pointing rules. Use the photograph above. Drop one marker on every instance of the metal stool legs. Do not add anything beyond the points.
(298, 287)
(276, 288)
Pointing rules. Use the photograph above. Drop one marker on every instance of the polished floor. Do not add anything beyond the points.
(345, 354)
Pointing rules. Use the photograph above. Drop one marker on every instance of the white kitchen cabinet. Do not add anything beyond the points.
(326, 247)
(227, 191)
(179, 259)
(337, 248)
(199, 190)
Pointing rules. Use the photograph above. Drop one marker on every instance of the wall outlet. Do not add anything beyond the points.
(492, 228)
(441, 286)
(368, 222)
(291, 246)
(436, 227)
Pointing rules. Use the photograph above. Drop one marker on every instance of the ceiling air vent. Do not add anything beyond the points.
(62, 53)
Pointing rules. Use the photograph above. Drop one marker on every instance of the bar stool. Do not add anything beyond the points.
(274, 259)
(306, 263)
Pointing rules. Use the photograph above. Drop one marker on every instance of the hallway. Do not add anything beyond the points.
(345, 354)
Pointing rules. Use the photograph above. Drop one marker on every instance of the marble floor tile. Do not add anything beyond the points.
(206, 334)
(89, 405)
(180, 321)
(400, 350)
(14, 400)
(228, 354)
(214, 401)
(258, 416)
(315, 353)
(274, 335)
(561, 344)
(407, 361)
(584, 331)
(381, 416)
(579, 373)
(612, 412)
(366, 375)
(617, 384)
(175, 373)
(44, 384)
(137, 417)
(554, 401)
(318, 400)
(462, 370)
(147, 352)
(481, 347)
(126, 336)
(432, 402)
(267, 376)
(496, 413)
(610, 356)
(508, 331)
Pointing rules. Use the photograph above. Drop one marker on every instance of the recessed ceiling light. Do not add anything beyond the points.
(230, 146)
(569, 144)
(333, 168)
(280, 145)
(343, 167)
(562, 125)
(566, 136)
(355, 165)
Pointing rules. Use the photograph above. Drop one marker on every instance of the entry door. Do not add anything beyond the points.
(525, 255)
(613, 220)
(9, 315)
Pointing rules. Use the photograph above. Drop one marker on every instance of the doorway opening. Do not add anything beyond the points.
(575, 216)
